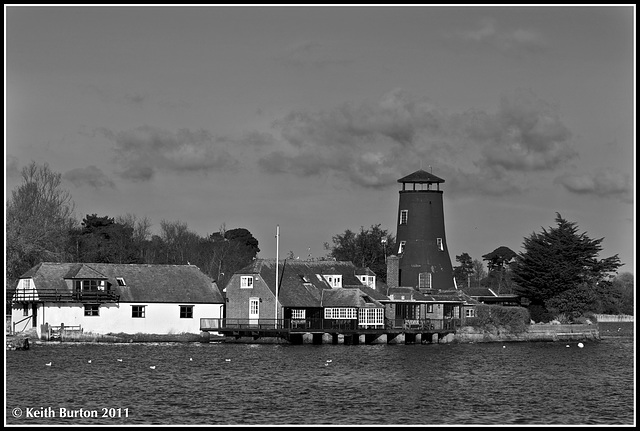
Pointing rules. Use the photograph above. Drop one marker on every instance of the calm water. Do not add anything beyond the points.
(265, 384)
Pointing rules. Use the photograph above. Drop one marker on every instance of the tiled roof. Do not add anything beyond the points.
(364, 271)
(421, 176)
(144, 283)
(300, 285)
(347, 297)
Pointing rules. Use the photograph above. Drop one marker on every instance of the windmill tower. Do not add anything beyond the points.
(423, 257)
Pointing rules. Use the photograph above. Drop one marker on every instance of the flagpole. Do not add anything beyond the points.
(277, 259)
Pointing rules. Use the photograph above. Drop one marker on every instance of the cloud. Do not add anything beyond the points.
(143, 152)
(525, 134)
(90, 176)
(606, 183)
(516, 42)
(372, 143)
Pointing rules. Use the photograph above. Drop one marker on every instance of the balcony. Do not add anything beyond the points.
(58, 295)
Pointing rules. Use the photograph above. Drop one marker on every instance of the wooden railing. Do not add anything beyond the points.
(58, 295)
(294, 325)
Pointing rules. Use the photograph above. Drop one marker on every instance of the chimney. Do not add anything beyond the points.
(393, 268)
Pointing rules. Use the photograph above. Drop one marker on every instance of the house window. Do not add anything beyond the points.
(404, 214)
(470, 312)
(424, 280)
(401, 248)
(440, 245)
(253, 307)
(88, 285)
(429, 308)
(120, 281)
(26, 284)
(334, 280)
(298, 314)
(407, 311)
(137, 311)
(25, 310)
(91, 310)
(186, 311)
(246, 282)
(371, 317)
(340, 313)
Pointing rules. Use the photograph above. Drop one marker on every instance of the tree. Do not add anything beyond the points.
(39, 217)
(463, 272)
(367, 249)
(559, 271)
(478, 272)
(624, 283)
(103, 240)
(231, 250)
(498, 263)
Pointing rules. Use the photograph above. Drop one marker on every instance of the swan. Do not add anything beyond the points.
(48, 365)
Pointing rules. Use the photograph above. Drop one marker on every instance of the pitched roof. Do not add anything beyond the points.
(143, 282)
(421, 176)
(301, 282)
(348, 297)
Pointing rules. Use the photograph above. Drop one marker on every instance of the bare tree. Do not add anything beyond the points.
(39, 220)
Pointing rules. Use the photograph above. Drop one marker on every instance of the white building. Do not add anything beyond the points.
(103, 298)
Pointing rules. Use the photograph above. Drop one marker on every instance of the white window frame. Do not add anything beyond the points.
(340, 313)
(298, 314)
(246, 282)
(254, 307)
(470, 312)
(404, 216)
(440, 244)
(334, 280)
(121, 281)
(401, 247)
(425, 280)
(370, 317)
(429, 308)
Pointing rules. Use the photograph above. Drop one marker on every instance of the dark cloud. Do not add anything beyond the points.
(605, 183)
(372, 143)
(144, 151)
(526, 134)
(90, 176)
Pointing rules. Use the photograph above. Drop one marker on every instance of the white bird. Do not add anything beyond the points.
(153, 367)
(567, 345)
(228, 360)
(89, 361)
(580, 345)
(119, 360)
(48, 365)
(329, 360)
(504, 347)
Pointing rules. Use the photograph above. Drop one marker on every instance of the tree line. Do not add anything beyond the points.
(558, 270)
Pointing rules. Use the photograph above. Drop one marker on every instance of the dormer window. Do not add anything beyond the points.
(121, 281)
(334, 280)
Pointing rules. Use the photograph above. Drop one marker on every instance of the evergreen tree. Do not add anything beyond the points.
(498, 263)
(559, 271)
(367, 249)
(463, 272)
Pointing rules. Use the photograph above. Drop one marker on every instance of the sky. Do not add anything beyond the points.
(301, 119)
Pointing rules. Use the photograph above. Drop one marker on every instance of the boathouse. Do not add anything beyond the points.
(103, 298)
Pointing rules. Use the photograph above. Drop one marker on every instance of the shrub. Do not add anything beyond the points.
(515, 319)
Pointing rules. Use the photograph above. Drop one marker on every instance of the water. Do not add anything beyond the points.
(267, 384)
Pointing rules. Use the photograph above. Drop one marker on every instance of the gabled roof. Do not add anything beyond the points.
(364, 271)
(144, 283)
(348, 297)
(421, 176)
(300, 285)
